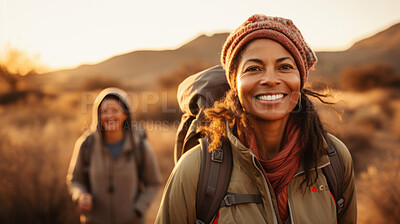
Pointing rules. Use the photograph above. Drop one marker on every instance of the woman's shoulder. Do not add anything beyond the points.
(189, 163)
(185, 175)
(85, 138)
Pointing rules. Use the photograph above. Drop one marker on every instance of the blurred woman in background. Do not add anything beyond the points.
(279, 145)
(113, 174)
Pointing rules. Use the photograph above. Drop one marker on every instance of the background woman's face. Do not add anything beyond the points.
(268, 80)
(112, 116)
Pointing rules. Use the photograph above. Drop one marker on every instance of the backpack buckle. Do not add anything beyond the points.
(331, 153)
(340, 205)
(198, 221)
(229, 200)
(217, 156)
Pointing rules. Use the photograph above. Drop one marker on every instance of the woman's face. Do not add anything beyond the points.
(268, 80)
(112, 116)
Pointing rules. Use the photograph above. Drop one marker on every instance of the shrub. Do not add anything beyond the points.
(99, 82)
(20, 95)
(10, 80)
(368, 76)
(359, 144)
(396, 121)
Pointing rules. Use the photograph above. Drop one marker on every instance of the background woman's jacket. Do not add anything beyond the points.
(127, 199)
(307, 205)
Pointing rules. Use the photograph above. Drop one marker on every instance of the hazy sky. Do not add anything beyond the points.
(67, 33)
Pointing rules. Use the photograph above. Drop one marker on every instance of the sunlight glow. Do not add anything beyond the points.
(68, 33)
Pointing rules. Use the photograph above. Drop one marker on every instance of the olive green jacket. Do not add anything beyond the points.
(306, 205)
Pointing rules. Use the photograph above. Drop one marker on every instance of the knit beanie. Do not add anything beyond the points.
(275, 28)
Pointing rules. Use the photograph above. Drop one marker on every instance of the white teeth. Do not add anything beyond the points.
(270, 97)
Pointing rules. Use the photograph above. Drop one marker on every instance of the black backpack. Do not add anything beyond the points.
(87, 148)
(197, 92)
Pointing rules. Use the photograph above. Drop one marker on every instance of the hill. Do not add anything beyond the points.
(382, 47)
(141, 69)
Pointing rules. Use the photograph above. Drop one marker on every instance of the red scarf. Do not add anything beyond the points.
(281, 169)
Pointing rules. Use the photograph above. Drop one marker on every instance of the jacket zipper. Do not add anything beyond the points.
(290, 209)
(111, 184)
(113, 194)
(266, 185)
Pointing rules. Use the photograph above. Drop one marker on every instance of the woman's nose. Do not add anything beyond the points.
(270, 78)
(108, 115)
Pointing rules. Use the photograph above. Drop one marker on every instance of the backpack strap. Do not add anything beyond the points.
(215, 175)
(236, 199)
(86, 149)
(139, 152)
(214, 179)
(334, 174)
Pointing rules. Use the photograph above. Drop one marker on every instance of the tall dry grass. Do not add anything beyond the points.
(380, 190)
(34, 149)
(162, 137)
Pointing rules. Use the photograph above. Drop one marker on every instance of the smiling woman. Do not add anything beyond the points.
(278, 143)
(113, 174)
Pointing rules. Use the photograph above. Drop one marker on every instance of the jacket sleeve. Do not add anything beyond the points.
(76, 176)
(151, 179)
(349, 214)
(178, 203)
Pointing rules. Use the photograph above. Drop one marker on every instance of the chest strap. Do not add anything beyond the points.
(236, 199)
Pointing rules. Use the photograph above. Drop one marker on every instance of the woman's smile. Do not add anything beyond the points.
(270, 97)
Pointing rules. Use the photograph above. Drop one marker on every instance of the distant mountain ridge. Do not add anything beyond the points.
(382, 47)
(142, 68)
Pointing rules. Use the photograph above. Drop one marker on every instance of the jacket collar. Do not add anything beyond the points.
(238, 146)
(132, 138)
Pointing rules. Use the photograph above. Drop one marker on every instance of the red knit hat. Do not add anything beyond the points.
(275, 28)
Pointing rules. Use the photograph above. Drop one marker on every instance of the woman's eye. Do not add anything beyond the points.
(252, 69)
(285, 67)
